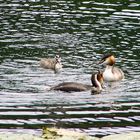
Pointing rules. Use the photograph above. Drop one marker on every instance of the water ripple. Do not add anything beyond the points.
(81, 32)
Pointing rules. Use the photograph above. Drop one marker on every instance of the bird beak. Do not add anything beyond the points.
(101, 62)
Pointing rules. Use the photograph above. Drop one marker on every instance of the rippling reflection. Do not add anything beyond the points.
(81, 32)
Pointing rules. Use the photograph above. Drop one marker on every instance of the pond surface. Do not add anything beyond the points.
(81, 32)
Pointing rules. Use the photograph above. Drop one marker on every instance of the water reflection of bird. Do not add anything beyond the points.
(96, 87)
(111, 73)
(51, 63)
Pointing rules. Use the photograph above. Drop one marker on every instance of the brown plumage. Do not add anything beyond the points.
(96, 79)
(51, 63)
(111, 73)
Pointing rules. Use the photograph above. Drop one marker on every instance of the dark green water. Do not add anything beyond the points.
(81, 32)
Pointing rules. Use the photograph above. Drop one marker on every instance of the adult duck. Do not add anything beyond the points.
(96, 87)
(111, 73)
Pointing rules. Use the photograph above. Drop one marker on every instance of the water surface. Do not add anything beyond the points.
(81, 32)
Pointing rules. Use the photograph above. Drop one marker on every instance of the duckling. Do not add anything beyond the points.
(111, 73)
(51, 63)
(96, 87)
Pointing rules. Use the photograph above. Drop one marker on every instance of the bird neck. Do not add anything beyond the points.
(96, 83)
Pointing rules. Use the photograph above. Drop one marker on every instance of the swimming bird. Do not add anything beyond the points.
(96, 87)
(51, 63)
(111, 73)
